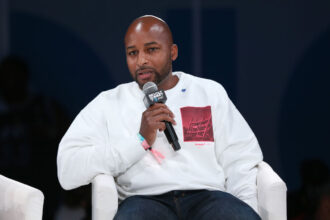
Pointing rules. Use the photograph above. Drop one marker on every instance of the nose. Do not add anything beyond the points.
(142, 59)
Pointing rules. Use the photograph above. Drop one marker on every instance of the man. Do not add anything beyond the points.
(212, 174)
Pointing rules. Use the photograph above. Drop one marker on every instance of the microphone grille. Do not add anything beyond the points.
(149, 87)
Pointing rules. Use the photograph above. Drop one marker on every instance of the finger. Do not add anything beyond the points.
(158, 105)
(160, 110)
(163, 117)
(158, 125)
(162, 126)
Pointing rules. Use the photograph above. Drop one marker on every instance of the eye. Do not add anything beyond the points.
(152, 49)
(132, 53)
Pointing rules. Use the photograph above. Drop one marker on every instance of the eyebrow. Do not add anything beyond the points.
(150, 43)
(146, 44)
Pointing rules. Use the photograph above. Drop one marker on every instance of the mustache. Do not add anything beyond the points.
(144, 68)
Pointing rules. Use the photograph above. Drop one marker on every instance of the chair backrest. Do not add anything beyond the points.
(19, 201)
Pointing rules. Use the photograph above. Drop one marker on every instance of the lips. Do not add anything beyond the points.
(144, 74)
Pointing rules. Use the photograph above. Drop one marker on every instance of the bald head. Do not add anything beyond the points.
(151, 24)
(150, 52)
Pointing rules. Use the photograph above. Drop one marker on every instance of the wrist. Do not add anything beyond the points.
(144, 142)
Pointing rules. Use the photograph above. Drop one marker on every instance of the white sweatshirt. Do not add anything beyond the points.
(218, 149)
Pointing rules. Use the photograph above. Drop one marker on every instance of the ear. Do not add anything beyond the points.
(174, 52)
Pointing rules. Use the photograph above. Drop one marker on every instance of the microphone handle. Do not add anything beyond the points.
(171, 136)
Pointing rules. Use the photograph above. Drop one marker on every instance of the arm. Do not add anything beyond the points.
(238, 152)
(86, 149)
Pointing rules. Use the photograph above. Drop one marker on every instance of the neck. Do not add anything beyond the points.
(169, 82)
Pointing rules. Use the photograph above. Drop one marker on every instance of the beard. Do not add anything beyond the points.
(159, 76)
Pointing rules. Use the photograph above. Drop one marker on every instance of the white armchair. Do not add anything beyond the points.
(19, 201)
(271, 195)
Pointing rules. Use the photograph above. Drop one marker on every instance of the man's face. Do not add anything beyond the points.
(148, 54)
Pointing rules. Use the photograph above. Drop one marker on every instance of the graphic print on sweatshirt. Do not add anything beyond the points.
(197, 124)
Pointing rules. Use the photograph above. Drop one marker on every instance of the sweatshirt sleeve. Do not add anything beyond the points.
(238, 152)
(86, 151)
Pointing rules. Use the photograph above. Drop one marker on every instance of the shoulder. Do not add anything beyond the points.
(111, 98)
(204, 85)
(121, 90)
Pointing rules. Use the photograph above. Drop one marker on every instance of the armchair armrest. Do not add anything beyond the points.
(271, 194)
(104, 197)
(19, 201)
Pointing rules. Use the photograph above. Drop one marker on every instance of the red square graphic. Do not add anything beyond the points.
(197, 124)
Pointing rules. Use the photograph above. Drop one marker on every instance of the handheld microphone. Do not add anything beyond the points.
(152, 96)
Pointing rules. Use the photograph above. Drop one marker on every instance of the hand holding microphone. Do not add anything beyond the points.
(153, 119)
(157, 116)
